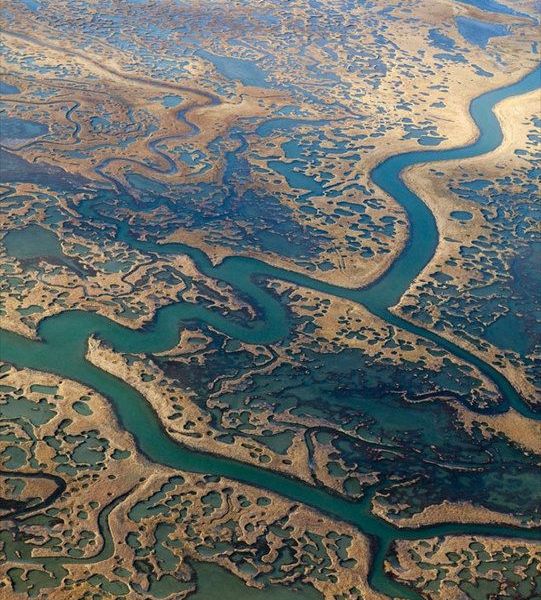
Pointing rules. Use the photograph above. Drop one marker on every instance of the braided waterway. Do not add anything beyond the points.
(62, 345)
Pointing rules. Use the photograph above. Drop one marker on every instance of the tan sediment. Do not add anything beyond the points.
(106, 74)
(517, 428)
(348, 269)
(56, 287)
(251, 523)
(448, 512)
(436, 566)
(85, 485)
(35, 490)
(245, 515)
(342, 316)
(186, 423)
(435, 193)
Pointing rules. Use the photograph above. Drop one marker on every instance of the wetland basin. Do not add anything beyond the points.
(61, 346)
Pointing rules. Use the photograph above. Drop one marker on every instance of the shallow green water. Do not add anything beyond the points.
(36, 243)
(32, 242)
(215, 583)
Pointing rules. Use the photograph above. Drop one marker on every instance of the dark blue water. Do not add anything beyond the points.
(479, 32)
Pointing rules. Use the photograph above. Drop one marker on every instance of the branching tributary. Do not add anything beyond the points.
(63, 338)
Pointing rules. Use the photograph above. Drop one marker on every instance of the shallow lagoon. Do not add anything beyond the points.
(15, 128)
(493, 6)
(479, 32)
(238, 69)
(215, 583)
(7, 88)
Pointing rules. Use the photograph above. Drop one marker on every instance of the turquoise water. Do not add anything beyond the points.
(62, 344)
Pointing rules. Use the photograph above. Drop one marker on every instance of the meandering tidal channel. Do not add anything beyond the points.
(63, 339)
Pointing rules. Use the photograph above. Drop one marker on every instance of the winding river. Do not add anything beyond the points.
(63, 338)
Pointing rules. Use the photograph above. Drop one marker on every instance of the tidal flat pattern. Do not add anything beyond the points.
(269, 300)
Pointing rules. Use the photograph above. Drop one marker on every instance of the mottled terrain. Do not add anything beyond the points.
(269, 300)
